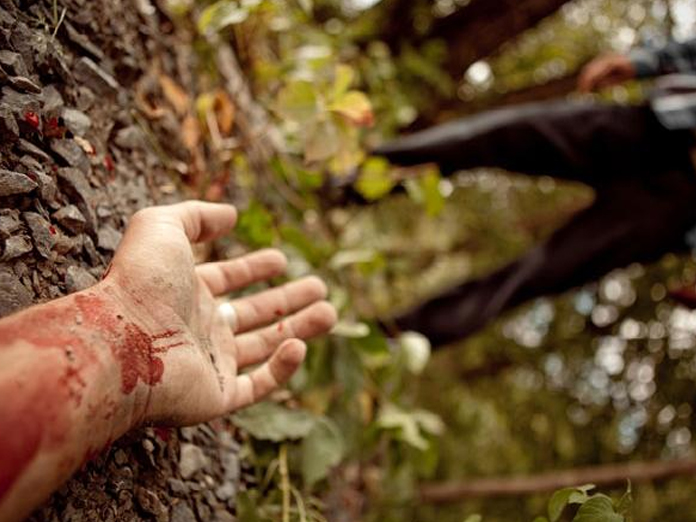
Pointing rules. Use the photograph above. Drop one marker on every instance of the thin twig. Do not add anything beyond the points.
(284, 481)
(60, 20)
(300, 504)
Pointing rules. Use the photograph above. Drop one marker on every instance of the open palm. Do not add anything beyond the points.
(201, 351)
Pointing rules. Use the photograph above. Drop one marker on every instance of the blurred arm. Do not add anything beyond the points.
(613, 69)
(675, 57)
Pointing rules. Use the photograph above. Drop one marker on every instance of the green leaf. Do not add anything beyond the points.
(351, 257)
(247, 510)
(314, 57)
(177, 8)
(410, 425)
(344, 76)
(306, 5)
(270, 421)
(309, 179)
(373, 349)
(313, 250)
(256, 226)
(625, 504)
(416, 349)
(351, 329)
(375, 180)
(429, 422)
(427, 71)
(355, 106)
(561, 498)
(221, 14)
(473, 518)
(541, 519)
(322, 141)
(425, 191)
(297, 101)
(349, 372)
(349, 153)
(322, 449)
(598, 508)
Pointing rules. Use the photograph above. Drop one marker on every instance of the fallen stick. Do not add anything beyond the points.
(603, 475)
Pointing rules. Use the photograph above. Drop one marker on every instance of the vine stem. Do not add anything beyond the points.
(284, 481)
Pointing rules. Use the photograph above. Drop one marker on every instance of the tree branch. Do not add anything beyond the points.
(479, 29)
(446, 110)
(603, 475)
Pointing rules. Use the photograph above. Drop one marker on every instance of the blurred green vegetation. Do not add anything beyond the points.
(603, 374)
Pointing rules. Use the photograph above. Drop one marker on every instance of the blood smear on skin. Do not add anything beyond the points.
(131, 346)
(33, 418)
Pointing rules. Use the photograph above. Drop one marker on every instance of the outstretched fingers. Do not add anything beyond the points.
(227, 276)
(255, 385)
(313, 321)
(270, 305)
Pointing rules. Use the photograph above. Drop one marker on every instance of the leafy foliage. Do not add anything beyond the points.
(370, 417)
(324, 114)
(269, 421)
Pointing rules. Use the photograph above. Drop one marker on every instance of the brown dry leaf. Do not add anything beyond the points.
(190, 132)
(174, 94)
(143, 91)
(224, 112)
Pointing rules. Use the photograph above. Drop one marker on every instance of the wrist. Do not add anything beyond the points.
(117, 329)
(138, 336)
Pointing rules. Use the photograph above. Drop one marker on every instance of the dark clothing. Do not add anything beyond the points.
(645, 199)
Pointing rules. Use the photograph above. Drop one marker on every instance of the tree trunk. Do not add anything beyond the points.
(97, 120)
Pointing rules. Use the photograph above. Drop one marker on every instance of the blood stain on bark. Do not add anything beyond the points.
(108, 163)
(163, 433)
(32, 119)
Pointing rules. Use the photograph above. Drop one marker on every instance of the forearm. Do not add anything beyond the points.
(67, 390)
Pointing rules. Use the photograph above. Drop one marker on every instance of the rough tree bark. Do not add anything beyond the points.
(93, 107)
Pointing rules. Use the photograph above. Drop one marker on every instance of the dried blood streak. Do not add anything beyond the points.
(131, 346)
(32, 119)
(38, 409)
(108, 163)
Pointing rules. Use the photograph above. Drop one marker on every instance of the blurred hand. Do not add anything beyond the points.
(154, 275)
(605, 71)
